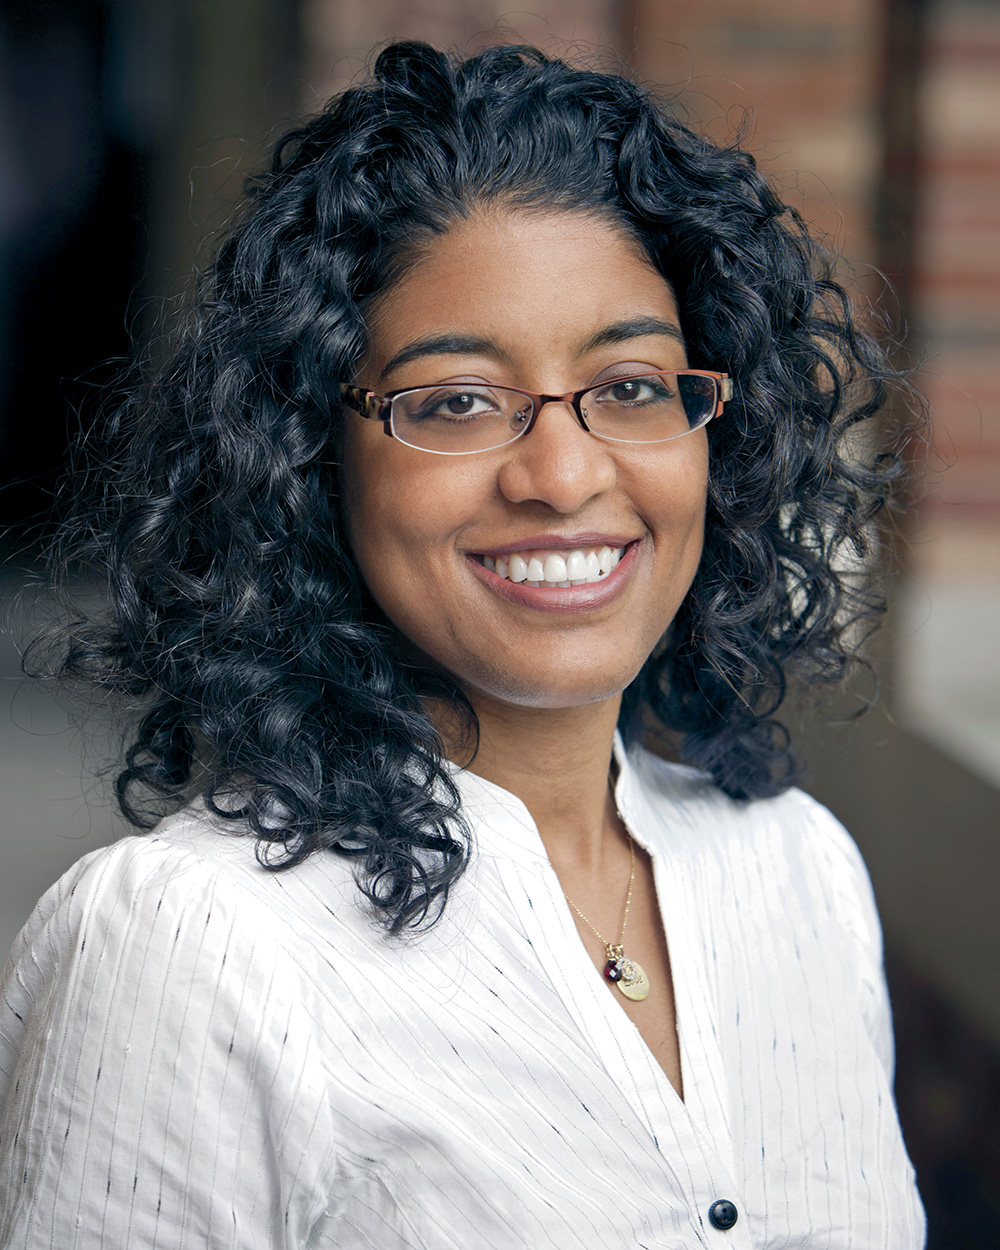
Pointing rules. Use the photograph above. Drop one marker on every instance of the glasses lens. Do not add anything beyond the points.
(460, 418)
(650, 409)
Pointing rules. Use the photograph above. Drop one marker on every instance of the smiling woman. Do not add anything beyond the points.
(571, 302)
(514, 424)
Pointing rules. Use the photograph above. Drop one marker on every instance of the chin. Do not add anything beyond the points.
(576, 689)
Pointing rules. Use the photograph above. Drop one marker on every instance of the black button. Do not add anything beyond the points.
(722, 1214)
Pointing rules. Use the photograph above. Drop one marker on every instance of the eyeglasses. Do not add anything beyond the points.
(457, 419)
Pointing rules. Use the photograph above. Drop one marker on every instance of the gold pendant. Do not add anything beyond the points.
(627, 975)
(634, 983)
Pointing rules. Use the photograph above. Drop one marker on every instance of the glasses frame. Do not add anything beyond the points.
(375, 407)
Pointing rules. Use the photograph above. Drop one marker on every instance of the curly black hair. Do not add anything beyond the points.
(237, 622)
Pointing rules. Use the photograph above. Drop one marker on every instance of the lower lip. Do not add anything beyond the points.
(583, 598)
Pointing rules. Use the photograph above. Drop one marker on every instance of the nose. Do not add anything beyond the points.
(557, 462)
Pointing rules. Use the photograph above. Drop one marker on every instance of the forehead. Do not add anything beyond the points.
(528, 281)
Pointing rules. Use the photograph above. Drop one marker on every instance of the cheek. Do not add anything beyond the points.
(674, 490)
(675, 517)
(367, 500)
(692, 501)
(401, 512)
(375, 514)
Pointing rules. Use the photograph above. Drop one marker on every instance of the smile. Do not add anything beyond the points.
(563, 569)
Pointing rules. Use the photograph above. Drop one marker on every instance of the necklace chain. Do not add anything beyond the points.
(621, 971)
(616, 947)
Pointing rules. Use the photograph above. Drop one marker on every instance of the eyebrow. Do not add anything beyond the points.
(444, 345)
(470, 345)
(633, 328)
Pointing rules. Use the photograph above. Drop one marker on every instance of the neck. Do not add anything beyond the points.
(557, 762)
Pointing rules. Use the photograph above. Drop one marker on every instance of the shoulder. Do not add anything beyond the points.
(781, 874)
(790, 843)
(187, 863)
(185, 905)
(181, 927)
(182, 860)
(686, 799)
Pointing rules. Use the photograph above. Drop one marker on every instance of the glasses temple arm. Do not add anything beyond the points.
(366, 403)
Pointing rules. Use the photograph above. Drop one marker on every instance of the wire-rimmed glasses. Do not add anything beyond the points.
(460, 418)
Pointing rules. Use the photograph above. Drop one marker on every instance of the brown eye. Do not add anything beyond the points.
(450, 404)
(634, 391)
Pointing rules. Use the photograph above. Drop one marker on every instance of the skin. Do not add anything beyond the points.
(537, 289)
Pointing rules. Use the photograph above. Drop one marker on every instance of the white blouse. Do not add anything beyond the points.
(197, 1053)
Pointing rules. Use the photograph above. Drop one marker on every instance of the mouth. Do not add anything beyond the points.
(555, 567)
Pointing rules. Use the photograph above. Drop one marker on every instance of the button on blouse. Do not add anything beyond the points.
(722, 1215)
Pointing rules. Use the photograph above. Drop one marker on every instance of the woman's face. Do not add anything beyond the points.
(550, 302)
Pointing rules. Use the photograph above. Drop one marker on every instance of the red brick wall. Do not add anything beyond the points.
(956, 262)
(340, 34)
(804, 76)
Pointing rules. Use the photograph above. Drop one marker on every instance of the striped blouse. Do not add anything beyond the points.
(197, 1053)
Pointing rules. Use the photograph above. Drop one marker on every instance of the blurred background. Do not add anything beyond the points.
(126, 129)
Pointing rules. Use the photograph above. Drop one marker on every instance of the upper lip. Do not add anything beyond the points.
(556, 542)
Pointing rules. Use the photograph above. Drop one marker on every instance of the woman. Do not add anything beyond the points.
(515, 423)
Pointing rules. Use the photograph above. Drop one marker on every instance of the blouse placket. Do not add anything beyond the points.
(691, 1137)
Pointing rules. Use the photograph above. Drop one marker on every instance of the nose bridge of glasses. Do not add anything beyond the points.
(571, 400)
(559, 466)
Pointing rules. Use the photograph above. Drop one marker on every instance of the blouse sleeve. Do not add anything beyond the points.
(155, 1083)
(843, 883)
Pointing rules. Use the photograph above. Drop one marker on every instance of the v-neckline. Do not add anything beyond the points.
(536, 895)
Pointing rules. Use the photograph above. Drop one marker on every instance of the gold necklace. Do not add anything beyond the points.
(619, 970)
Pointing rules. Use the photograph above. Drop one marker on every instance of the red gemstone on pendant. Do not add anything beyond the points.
(612, 971)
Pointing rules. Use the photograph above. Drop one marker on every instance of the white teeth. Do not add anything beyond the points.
(561, 569)
(555, 569)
